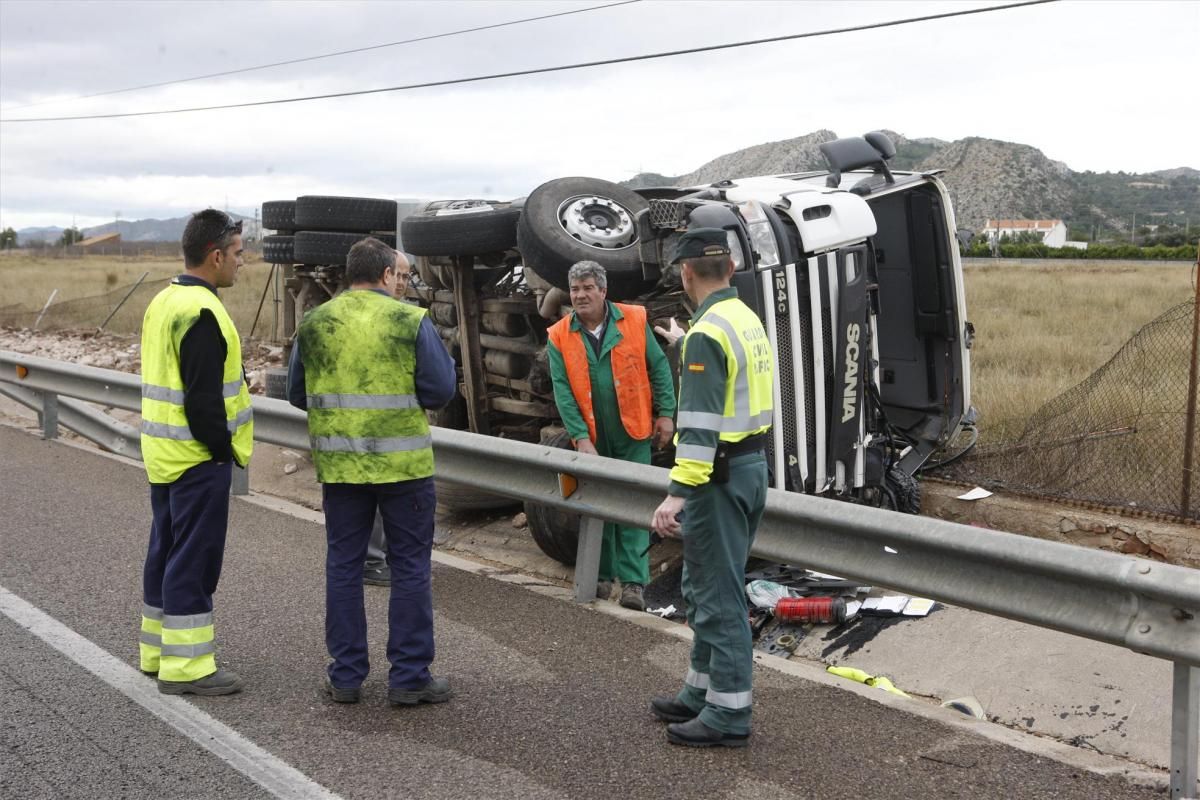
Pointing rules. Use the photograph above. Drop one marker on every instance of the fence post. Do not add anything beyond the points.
(1189, 428)
(49, 300)
(132, 289)
(240, 485)
(48, 416)
(587, 558)
(1185, 731)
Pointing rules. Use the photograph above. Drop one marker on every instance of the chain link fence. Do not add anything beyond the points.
(121, 310)
(1118, 438)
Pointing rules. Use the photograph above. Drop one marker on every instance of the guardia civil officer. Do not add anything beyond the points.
(719, 483)
(196, 423)
(364, 366)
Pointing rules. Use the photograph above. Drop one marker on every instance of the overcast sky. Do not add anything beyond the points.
(1108, 85)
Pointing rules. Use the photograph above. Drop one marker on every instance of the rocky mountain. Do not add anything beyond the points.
(141, 230)
(989, 178)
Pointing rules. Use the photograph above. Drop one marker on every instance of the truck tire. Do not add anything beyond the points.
(317, 212)
(279, 250)
(279, 216)
(467, 233)
(276, 383)
(555, 532)
(323, 248)
(583, 219)
(904, 492)
(456, 497)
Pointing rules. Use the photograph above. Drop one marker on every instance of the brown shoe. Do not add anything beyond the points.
(631, 597)
(604, 590)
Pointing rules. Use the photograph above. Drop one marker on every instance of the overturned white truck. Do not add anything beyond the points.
(854, 270)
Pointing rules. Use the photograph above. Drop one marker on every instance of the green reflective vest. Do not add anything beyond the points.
(364, 422)
(748, 388)
(168, 448)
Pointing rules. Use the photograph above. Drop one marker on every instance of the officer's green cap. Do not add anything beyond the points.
(700, 242)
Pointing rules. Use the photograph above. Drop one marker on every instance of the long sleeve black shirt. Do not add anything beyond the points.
(202, 356)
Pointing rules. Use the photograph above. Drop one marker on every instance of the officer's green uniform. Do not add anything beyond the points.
(724, 393)
(623, 552)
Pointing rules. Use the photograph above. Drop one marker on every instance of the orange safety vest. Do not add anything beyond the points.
(630, 378)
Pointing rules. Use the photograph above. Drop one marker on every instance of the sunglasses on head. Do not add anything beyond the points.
(230, 227)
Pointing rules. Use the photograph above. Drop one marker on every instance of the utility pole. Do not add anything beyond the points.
(1133, 229)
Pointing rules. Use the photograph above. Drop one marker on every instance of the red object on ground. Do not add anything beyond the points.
(811, 609)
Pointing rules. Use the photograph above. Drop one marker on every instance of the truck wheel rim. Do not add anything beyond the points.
(598, 222)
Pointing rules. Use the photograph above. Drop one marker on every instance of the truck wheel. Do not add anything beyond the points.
(317, 212)
(276, 383)
(455, 497)
(279, 215)
(903, 491)
(583, 219)
(326, 248)
(278, 250)
(555, 532)
(473, 230)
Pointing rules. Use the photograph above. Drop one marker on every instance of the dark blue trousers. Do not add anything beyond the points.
(187, 540)
(407, 510)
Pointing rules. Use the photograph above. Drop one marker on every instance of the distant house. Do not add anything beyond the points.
(1052, 231)
(92, 242)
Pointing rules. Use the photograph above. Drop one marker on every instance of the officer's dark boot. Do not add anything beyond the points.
(669, 709)
(436, 691)
(696, 734)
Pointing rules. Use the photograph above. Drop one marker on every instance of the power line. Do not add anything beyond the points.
(541, 70)
(327, 55)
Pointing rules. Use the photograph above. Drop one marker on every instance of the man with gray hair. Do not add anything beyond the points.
(365, 367)
(613, 388)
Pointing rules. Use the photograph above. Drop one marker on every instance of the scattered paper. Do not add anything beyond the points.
(852, 608)
(888, 606)
(662, 612)
(918, 607)
(978, 493)
(887, 549)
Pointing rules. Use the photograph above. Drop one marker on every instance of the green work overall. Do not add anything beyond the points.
(623, 551)
(725, 399)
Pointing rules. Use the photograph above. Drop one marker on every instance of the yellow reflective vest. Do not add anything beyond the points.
(365, 425)
(725, 386)
(168, 448)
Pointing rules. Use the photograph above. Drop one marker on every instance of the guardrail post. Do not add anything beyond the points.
(1185, 737)
(241, 480)
(48, 415)
(587, 558)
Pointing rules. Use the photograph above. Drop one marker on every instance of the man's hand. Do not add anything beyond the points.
(586, 446)
(672, 333)
(663, 430)
(665, 522)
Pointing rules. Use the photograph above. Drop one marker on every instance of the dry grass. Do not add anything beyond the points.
(90, 287)
(1041, 330)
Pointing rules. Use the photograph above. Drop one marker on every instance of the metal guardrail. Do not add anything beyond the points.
(1142, 605)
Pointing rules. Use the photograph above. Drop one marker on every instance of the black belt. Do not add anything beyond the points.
(751, 444)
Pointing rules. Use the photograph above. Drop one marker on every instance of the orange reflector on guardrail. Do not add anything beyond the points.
(567, 484)
(22, 371)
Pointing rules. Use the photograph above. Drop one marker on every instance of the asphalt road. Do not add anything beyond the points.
(552, 698)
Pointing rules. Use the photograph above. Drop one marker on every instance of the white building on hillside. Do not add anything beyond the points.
(1052, 231)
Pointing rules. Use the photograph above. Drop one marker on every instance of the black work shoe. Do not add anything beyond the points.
(342, 695)
(695, 733)
(436, 691)
(668, 709)
(222, 681)
(631, 597)
(603, 589)
(150, 673)
(377, 575)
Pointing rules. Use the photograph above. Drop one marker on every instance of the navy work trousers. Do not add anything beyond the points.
(187, 539)
(407, 510)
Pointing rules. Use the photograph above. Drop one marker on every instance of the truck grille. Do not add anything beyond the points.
(667, 214)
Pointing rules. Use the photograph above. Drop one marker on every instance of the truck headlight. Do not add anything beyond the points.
(762, 238)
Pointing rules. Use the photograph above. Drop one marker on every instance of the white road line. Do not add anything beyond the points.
(276, 776)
